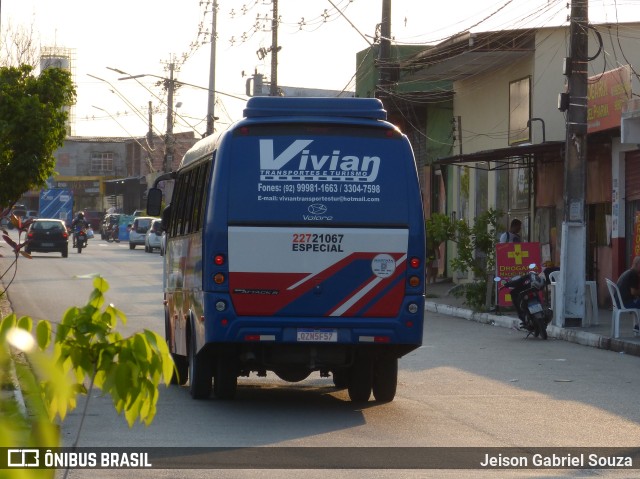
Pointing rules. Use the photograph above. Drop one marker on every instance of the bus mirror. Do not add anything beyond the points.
(154, 201)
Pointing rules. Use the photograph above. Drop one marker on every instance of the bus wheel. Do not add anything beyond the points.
(181, 374)
(199, 373)
(385, 378)
(360, 380)
(225, 381)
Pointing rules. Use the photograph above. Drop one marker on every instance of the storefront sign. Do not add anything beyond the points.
(636, 237)
(606, 94)
(513, 259)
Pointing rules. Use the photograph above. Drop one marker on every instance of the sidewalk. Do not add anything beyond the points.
(439, 299)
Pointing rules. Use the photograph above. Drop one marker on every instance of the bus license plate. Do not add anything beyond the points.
(535, 307)
(318, 335)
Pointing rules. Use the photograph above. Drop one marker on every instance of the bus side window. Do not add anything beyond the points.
(200, 195)
(187, 214)
(178, 201)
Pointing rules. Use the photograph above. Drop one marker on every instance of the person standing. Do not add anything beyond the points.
(513, 235)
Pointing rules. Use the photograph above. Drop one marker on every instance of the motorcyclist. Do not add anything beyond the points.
(77, 224)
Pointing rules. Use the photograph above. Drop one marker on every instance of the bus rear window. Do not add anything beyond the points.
(315, 173)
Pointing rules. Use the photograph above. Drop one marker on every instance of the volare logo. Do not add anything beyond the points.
(300, 162)
(317, 209)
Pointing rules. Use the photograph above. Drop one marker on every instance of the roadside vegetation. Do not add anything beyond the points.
(45, 366)
(476, 253)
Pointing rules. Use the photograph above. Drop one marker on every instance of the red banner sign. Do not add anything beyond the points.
(513, 259)
(636, 237)
(606, 94)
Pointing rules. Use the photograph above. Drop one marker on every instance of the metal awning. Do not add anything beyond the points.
(468, 54)
(506, 158)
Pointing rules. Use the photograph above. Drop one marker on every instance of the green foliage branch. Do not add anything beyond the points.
(84, 352)
(476, 251)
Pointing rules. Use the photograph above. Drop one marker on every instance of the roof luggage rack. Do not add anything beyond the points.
(368, 108)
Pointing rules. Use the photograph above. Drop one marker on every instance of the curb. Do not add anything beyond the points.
(573, 336)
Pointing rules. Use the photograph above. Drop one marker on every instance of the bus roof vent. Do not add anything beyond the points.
(266, 106)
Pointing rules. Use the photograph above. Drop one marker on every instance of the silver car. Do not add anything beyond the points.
(153, 238)
(138, 230)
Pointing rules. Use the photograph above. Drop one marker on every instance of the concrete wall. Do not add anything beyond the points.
(74, 157)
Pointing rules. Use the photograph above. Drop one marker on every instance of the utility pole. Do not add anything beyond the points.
(273, 91)
(384, 54)
(169, 140)
(150, 132)
(212, 71)
(574, 242)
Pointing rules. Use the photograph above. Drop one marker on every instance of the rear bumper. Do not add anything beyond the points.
(43, 247)
(226, 327)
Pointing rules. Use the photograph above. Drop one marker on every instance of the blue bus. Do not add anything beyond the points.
(295, 243)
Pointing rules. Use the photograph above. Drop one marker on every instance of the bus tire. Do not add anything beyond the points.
(385, 378)
(360, 380)
(225, 381)
(181, 372)
(199, 372)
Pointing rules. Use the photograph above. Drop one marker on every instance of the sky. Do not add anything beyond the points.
(318, 47)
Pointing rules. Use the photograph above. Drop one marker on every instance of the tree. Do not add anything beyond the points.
(476, 251)
(32, 127)
(18, 46)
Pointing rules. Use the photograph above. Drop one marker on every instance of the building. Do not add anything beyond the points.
(113, 172)
(506, 134)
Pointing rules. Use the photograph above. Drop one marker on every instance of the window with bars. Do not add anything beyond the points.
(102, 162)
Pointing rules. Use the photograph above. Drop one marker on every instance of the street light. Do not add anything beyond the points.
(122, 97)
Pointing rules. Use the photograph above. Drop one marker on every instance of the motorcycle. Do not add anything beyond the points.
(525, 289)
(80, 239)
(113, 234)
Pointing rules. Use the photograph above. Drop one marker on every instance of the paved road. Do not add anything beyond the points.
(469, 385)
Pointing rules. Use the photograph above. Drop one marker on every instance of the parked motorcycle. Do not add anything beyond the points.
(80, 239)
(526, 290)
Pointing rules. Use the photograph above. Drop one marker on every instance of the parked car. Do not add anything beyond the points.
(94, 218)
(138, 230)
(153, 238)
(109, 221)
(48, 235)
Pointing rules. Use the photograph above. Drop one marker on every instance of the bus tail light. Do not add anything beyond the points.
(374, 339)
(221, 306)
(218, 278)
(415, 262)
(218, 260)
(414, 281)
(259, 337)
